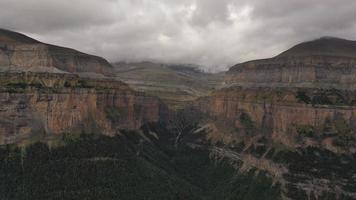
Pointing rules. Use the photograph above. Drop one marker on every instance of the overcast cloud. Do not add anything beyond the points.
(213, 33)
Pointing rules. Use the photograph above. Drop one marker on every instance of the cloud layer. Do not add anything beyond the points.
(212, 33)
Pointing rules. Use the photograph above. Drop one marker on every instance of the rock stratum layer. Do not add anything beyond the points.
(21, 53)
(282, 128)
(46, 90)
(285, 114)
(322, 63)
(51, 104)
(309, 85)
(292, 116)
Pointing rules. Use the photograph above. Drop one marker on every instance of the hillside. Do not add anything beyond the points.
(174, 84)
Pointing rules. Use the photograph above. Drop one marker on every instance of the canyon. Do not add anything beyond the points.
(278, 128)
(176, 85)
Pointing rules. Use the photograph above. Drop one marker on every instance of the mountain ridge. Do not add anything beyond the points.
(321, 63)
(20, 52)
(175, 84)
(326, 45)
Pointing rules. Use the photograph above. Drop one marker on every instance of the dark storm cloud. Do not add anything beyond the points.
(49, 15)
(214, 33)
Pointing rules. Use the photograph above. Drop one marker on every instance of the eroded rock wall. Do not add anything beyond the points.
(277, 111)
(57, 106)
(308, 71)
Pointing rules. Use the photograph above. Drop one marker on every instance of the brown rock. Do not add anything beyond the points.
(322, 63)
(18, 50)
(30, 108)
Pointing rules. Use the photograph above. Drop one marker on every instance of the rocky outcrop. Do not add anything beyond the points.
(283, 113)
(21, 53)
(307, 90)
(292, 117)
(51, 104)
(48, 90)
(322, 63)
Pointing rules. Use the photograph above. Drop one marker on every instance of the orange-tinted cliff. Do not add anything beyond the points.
(309, 88)
(280, 113)
(43, 91)
(322, 63)
(49, 104)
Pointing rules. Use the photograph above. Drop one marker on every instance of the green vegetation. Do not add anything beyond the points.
(325, 97)
(84, 84)
(247, 123)
(175, 85)
(91, 166)
(305, 130)
(321, 100)
(137, 109)
(345, 136)
(341, 126)
(114, 114)
(303, 97)
(20, 86)
(86, 168)
(68, 84)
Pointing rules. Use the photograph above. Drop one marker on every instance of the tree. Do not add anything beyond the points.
(183, 122)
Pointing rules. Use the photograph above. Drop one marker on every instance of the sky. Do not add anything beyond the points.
(215, 34)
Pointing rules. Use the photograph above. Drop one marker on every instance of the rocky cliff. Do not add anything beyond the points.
(310, 85)
(292, 116)
(47, 90)
(282, 128)
(323, 63)
(21, 53)
(50, 104)
(285, 114)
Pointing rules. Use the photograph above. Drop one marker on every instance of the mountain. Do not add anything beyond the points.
(324, 46)
(174, 84)
(21, 53)
(323, 63)
(294, 116)
(46, 91)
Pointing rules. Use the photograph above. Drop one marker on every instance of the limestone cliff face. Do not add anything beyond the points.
(54, 103)
(279, 113)
(327, 62)
(309, 88)
(43, 91)
(263, 121)
(18, 51)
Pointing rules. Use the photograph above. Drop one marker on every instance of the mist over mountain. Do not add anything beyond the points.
(184, 31)
(189, 99)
